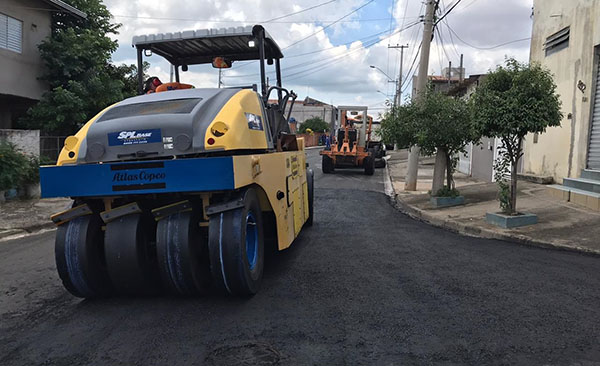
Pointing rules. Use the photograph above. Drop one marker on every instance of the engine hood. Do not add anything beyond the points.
(154, 125)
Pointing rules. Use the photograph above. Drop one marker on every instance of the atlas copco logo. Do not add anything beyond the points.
(130, 135)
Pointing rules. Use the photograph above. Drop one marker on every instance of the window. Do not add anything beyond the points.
(171, 106)
(11, 33)
(557, 41)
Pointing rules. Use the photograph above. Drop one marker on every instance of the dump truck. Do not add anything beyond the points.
(184, 189)
(349, 147)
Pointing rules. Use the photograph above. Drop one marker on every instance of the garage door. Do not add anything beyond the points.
(593, 159)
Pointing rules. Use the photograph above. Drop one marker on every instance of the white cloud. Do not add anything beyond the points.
(334, 73)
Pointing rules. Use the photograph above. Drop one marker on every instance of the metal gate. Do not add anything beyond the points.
(593, 157)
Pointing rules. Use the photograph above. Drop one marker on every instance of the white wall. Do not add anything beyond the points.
(27, 141)
(561, 151)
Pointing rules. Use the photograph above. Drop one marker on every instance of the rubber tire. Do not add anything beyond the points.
(310, 182)
(381, 163)
(130, 255)
(227, 248)
(369, 165)
(79, 255)
(182, 254)
(327, 165)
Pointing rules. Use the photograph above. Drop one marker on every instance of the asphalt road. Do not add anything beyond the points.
(366, 285)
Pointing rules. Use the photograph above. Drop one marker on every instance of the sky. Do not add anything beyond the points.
(329, 45)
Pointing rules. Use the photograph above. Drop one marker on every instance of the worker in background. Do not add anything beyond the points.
(151, 84)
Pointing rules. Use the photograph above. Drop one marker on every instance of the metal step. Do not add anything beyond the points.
(589, 185)
(590, 174)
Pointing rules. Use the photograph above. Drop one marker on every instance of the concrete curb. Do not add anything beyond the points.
(7, 234)
(467, 230)
(313, 147)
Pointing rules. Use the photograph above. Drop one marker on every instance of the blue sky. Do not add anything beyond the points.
(346, 78)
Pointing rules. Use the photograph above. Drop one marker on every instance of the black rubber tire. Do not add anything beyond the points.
(327, 165)
(369, 165)
(182, 254)
(310, 183)
(227, 247)
(380, 163)
(79, 254)
(131, 255)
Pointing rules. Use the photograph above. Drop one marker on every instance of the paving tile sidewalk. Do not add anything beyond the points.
(561, 224)
(23, 216)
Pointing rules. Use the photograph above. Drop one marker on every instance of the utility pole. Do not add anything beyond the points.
(461, 76)
(413, 157)
(398, 97)
(220, 76)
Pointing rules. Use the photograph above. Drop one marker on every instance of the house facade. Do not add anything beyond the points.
(478, 160)
(449, 79)
(24, 24)
(566, 40)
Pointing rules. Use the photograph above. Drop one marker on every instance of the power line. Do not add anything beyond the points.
(469, 4)
(414, 49)
(246, 21)
(439, 32)
(300, 11)
(224, 20)
(487, 48)
(307, 53)
(329, 25)
(327, 60)
(387, 66)
(447, 12)
(247, 63)
(328, 63)
(410, 70)
(451, 38)
(341, 44)
(438, 46)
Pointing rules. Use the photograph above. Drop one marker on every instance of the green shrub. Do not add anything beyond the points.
(13, 165)
(316, 124)
(447, 192)
(31, 171)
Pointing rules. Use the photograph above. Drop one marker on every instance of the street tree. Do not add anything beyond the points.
(514, 100)
(438, 124)
(315, 124)
(82, 79)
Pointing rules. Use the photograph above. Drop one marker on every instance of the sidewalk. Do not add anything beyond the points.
(25, 216)
(562, 225)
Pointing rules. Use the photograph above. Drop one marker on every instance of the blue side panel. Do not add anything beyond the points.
(141, 177)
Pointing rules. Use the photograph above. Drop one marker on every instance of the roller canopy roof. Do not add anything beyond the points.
(201, 46)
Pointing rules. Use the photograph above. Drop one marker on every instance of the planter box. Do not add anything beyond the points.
(438, 202)
(10, 194)
(508, 222)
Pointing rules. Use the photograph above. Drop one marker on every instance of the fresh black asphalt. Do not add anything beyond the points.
(366, 285)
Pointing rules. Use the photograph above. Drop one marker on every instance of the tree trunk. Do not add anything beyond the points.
(439, 171)
(513, 178)
(513, 189)
(449, 170)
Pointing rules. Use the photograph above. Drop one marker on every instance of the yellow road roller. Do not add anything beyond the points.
(184, 189)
